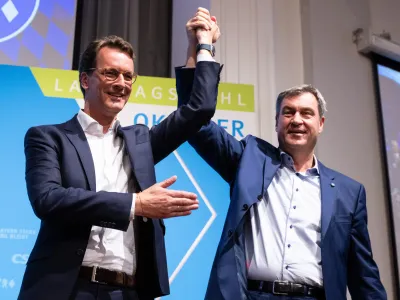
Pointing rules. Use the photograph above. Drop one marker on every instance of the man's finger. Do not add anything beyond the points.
(200, 25)
(180, 214)
(184, 203)
(184, 208)
(168, 182)
(203, 16)
(196, 22)
(204, 10)
(182, 194)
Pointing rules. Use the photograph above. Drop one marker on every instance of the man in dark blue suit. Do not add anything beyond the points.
(92, 183)
(295, 229)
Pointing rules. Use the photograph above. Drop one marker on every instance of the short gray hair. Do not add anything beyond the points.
(299, 90)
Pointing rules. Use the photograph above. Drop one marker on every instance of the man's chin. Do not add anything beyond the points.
(116, 105)
(296, 142)
(114, 110)
(296, 145)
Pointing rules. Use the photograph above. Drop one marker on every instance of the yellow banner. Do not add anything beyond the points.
(146, 90)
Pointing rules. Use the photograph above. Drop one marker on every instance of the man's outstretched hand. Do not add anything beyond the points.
(159, 202)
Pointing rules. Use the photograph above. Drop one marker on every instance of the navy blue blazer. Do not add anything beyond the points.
(249, 166)
(60, 180)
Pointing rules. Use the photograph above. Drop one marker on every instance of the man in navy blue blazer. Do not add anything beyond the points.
(93, 185)
(295, 229)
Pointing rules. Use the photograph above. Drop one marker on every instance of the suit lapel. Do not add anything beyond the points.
(78, 139)
(263, 163)
(137, 145)
(271, 165)
(328, 197)
(150, 249)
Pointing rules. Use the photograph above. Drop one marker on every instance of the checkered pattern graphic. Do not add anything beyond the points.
(47, 41)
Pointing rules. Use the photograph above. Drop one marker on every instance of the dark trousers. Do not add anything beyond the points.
(255, 295)
(85, 290)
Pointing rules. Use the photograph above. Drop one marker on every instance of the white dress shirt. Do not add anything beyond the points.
(109, 248)
(283, 235)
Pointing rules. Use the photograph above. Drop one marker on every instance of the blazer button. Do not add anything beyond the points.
(230, 233)
(79, 252)
(259, 197)
(245, 206)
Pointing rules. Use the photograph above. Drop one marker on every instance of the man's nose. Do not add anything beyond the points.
(297, 119)
(119, 82)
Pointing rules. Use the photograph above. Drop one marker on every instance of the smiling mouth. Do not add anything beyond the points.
(116, 96)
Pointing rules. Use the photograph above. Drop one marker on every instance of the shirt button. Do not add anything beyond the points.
(288, 246)
(297, 190)
(291, 226)
(144, 219)
(287, 267)
(294, 207)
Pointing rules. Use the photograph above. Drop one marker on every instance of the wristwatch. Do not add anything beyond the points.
(207, 47)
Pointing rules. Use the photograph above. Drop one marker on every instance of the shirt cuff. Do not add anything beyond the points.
(132, 215)
(204, 57)
(201, 57)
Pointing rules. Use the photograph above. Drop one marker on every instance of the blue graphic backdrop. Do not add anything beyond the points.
(37, 32)
(23, 105)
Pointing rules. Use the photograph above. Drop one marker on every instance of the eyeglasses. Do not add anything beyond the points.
(113, 74)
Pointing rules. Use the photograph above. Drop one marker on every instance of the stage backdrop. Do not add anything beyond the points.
(35, 96)
(37, 32)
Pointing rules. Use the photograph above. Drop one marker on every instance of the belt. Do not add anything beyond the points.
(105, 276)
(278, 287)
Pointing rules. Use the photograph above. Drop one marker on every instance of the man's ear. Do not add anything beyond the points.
(321, 124)
(84, 80)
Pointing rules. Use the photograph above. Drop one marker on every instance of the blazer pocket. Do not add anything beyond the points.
(343, 219)
(143, 138)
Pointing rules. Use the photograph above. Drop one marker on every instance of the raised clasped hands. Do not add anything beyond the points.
(202, 28)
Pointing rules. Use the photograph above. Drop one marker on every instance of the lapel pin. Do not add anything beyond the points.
(332, 184)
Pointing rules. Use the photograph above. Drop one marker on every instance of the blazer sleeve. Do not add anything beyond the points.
(216, 146)
(53, 202)
(363, 275)
(188, 119)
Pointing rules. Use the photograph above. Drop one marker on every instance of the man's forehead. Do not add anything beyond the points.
(107, 55)
(114, 59)
(301, 100)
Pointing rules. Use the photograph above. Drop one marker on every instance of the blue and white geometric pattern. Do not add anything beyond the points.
(37, 32)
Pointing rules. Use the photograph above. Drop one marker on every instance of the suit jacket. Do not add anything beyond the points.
(249, 166)
(61, 187)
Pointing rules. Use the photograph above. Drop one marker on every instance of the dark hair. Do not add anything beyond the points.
(299, 90)
(88, 57)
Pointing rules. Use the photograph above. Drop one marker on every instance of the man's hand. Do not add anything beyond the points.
(202, 28)
(159, 202)
(201, 19)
